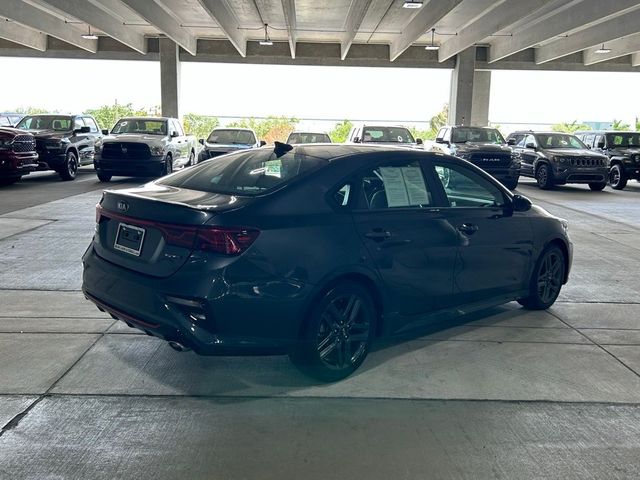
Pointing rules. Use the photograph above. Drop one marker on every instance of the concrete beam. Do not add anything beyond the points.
(500, 16)
(602, 32)
(481, 98)
(619, 48)
(22, 35)
(576, 15)
(153, 13)
(218, 10)
(356, 14)
(169, 78)
(425, 19)
(98, 18)
(635, 60)
(461, 93)
(289, 8)
(44, 22)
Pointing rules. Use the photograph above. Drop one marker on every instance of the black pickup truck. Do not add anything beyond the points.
(485, 147)
(63, 142)
(623, 150)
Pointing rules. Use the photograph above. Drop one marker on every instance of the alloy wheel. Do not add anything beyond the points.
(550, 275)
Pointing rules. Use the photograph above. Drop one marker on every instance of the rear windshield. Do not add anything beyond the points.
(147, 127)
(387, 135)
(232, 137)
(478, 135)
(245, 173)
(45, 122)
(299, 137)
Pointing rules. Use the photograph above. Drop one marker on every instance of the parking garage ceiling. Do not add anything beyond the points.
(531, 34)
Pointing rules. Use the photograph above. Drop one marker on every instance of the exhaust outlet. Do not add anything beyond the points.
(178, 347)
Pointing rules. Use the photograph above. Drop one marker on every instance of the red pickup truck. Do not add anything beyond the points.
(18, 155)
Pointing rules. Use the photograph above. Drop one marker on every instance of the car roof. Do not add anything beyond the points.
(233, 128)
(333, 151)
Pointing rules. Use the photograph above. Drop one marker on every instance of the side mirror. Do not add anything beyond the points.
(439, 140)
(82, 130)
(356, 139)
(105, 131)
(600, 144)
(511, 141)
(262, 143)
(201, 141)
(532, 146)
(174, 134)
(520, 203)
(419, 141)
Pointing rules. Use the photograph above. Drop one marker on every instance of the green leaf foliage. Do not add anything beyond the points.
(340, 131)
(569, 127)
(269, 129)
(108, 115)
(199, 126)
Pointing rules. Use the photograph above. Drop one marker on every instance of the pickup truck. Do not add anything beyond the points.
(18, 155)
(144, 147)
(63, 142)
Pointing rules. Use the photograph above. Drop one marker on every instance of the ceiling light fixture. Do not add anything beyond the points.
(267, 41)
(603, 49)
(89, 36)
(414, 5)
(432, 46)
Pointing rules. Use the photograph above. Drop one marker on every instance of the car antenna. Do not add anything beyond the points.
(281, 148)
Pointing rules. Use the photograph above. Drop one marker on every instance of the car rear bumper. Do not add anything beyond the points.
(147, 167)
(200, 309)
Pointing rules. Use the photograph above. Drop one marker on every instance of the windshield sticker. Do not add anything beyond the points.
(273, 168)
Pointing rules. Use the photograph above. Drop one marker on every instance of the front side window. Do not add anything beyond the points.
(464, 188)
(78, 123)
(93, 128)
(559, 140)
(529, 140)
(476, 135)
(140, 126)
(232, 137)
(247, 173)
(387, 135)
(395, 186)
(45, 122)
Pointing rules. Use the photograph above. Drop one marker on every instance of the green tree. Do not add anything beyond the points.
(31, 110)
(108, 115)
(340, 131)
(439, 120)
(620, 125)
(269, 129)
(199, 125)
(569, 127)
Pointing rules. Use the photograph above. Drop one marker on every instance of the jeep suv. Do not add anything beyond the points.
(554, 158)
(18, 155)
(485, 147)
(63, 142)
(383, 135)
(623, 150)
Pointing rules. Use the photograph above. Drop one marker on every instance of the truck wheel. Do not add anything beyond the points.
(69, 168)
(103, 177)
(617, 177)
(597, 186)
(8, 181)
(168, 166)
(544, 177)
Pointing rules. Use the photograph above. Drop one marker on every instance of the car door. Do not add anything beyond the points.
(411, 244)
(528, 155)
(94, 132)
(180, 141)
(83, 141)
(495, 244)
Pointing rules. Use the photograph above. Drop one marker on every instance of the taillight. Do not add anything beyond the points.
(98, 212)
(226, 240)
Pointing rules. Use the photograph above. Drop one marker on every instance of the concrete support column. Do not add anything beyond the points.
(170, 78)
(470, 91)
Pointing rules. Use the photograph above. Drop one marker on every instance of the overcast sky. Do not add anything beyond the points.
(398, 94)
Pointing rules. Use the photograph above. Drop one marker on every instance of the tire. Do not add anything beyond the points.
(103, 177)
(338, 336)
(168, 166)
(544, 177)
(617, 177)
(511, 184)
(8, 181)
(192, 159)
(546, 280)
(597, 186)
(69, 168)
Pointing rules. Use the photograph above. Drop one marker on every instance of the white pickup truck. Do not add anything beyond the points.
(144, 147)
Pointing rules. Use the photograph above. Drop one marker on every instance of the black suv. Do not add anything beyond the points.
(555, 158)
(63, 142)
(485, 147)
(623, 150)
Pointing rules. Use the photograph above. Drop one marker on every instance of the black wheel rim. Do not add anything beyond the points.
(542, 176)
(550, 276)
(344, 332)
(72, 166)
(614, 176)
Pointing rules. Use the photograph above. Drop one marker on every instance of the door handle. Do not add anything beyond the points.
(468, 228)
(378, 235)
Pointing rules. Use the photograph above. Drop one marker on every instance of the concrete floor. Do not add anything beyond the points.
(502, 394)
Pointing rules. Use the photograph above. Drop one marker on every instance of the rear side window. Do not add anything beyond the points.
(245, 173)
(395, 186)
